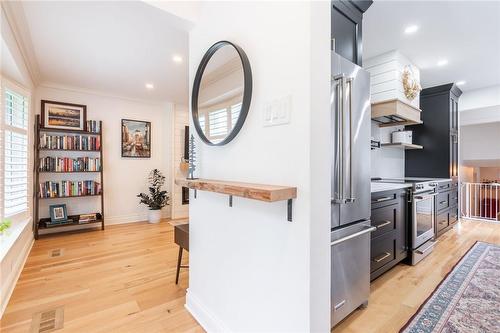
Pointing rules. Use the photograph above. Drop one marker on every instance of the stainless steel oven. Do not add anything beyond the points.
(422, 224)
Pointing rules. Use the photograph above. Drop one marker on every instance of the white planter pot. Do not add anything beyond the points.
(154, 216)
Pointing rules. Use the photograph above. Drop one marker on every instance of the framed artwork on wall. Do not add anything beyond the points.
(136, 138)
(59, 115)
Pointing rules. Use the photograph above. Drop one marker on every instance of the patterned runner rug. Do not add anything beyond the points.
(467, 300)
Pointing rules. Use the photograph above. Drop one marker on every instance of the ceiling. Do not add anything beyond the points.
(112, 47)
(466, 33)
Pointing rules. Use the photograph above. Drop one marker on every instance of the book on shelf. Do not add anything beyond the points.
(93, 126)
(70, 142)
(66, 164)
(67, 188)
(86, 218)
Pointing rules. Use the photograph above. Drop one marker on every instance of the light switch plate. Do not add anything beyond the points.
(278, 111)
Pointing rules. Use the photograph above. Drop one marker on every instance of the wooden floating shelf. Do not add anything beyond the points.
(401, 145)
(261, 192)
(395, 112)
(82, 150)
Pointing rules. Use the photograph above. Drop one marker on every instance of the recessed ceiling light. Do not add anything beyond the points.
(177, 58)
(461, 83)
(442, 62)
(150, 86)
(411, 29)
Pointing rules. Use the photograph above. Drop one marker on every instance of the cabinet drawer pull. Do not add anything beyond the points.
(383, 199)
(383, 224)
(442, 202)
(382, 257)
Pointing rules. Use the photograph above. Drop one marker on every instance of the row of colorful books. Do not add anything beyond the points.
(66, 164)
(93, 126)
(68, 188)
(70, 142)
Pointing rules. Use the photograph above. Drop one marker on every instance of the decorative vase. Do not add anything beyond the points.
(154, 215)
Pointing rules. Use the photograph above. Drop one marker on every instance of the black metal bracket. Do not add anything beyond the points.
(195, 193)
(289, 210)
(230, 201)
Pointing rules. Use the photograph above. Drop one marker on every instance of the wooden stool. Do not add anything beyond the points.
(181, 238)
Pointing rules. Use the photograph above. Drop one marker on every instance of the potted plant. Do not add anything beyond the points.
(4, 226)
(157, 199)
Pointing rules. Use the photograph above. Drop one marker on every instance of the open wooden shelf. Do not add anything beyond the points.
(73, 196)
(395, 112)
(42, 223)
(401, 145)
(81, 150)
(60, 130)
(70, 171)
(261, 192)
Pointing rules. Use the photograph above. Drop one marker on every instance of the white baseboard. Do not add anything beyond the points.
(203, 316)
(16, 271)
(122, 219)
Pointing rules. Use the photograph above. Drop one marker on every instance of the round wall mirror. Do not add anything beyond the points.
(222, 91)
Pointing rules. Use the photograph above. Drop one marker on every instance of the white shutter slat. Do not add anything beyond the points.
(15, 151)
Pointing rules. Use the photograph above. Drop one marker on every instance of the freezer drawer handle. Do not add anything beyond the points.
(339, 305)
(384, 256)
(354, 235)
(424, 251)
(384, 199)
(442, 202)
(383, 224)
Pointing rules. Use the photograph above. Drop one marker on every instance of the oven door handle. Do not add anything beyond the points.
(424, 197)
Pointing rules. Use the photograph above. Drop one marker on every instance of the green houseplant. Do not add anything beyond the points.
(4, 226)
(157, 198)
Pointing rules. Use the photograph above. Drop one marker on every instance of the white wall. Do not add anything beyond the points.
(181, 119)
(480, 106)
(250, 269)
(386, 162)
(124, 178)
(480, 142)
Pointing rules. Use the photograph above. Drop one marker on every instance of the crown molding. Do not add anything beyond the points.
(14, 13)
(80, 90)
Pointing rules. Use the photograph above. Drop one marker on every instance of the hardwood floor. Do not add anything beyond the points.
(396, 295)
(117, 280)
(122, 280)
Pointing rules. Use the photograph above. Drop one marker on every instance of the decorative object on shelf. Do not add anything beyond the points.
(136, 138)
(93, 126)
(157, 199)
(58, 214)
(58, 115)
(87, 218)
(192, 158)
(222, 91)
(411, 85)
(374, 144)
(400, 136)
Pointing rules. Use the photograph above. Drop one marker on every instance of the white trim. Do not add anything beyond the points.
(141, 217)
(74, 89)
(202, 315)
(17, 267)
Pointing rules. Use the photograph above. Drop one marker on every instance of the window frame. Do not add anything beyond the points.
(11, 86)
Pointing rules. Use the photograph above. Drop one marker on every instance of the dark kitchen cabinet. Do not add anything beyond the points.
(438, 134)
(346, 28)
(389, 242)
(439, 159)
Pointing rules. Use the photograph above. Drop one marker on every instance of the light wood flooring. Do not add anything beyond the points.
(122, 280)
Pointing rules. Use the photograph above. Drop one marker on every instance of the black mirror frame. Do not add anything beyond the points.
(247, 92)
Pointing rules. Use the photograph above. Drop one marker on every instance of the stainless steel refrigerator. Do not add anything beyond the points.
(351, 197)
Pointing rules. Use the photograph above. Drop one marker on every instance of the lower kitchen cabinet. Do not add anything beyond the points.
(446, 207)
(389, 243)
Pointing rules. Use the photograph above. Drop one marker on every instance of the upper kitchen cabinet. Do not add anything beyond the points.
(347, 17)
(438, 134)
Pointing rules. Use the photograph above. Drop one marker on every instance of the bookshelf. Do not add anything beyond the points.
(69, 154)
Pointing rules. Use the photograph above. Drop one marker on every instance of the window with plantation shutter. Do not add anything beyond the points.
(235, 114)
(217, 123)
(15, 147)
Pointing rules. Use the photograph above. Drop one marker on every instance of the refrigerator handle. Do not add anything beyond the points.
(339, 81)
(349, 100)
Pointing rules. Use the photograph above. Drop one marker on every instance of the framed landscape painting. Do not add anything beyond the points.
(60, 115)
(136, 138)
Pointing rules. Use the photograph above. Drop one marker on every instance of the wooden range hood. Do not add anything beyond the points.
(395, 112)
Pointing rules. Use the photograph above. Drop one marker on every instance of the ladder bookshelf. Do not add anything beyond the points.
(68, 190)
